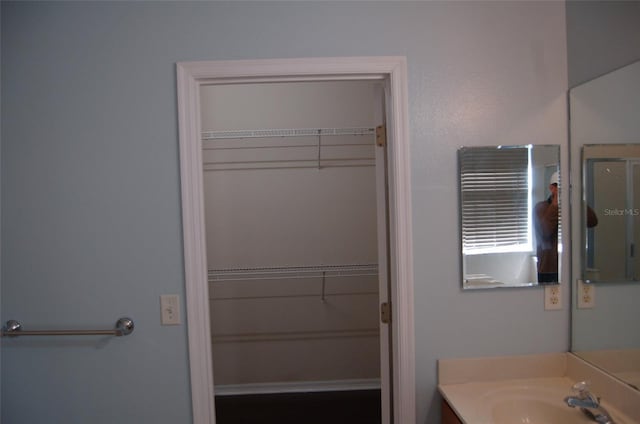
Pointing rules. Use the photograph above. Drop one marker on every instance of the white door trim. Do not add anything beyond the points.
(190, 76)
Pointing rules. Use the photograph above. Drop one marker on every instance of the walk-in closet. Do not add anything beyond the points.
(295, 217)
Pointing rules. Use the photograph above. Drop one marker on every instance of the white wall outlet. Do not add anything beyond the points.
(170, 309)
(586, 295)
(552, 297)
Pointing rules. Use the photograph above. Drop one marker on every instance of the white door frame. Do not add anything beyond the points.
(393, 70)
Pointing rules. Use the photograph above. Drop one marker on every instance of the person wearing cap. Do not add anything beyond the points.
(545, 224)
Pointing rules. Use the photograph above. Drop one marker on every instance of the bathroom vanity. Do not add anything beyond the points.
(532, 389)
(448, 415)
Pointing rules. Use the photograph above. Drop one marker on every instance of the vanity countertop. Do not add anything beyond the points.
(529, 389)
(518, 400)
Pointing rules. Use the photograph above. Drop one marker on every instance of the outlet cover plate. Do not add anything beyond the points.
(586, 295)
(170, 309)
(552, 298)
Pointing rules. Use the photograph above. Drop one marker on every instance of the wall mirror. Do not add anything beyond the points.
(605, 168)
(509, 213)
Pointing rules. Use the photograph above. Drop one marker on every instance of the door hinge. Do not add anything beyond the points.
(385, 312)
(381, 136)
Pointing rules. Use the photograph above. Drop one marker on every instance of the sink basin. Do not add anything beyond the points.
(532, 411)
(529, 404)
(520, 401)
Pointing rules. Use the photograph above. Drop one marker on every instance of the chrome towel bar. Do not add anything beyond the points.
(124, 326)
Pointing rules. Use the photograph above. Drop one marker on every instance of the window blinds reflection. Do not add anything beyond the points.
(495, 193)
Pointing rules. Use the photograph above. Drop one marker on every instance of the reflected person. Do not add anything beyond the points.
(545, 224)
(592, 218)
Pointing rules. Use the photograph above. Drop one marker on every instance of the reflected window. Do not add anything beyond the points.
(496, 199)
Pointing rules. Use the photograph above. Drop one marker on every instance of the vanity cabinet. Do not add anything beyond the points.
(447, 414)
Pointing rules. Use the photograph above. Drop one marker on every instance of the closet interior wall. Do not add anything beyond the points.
(292, 233)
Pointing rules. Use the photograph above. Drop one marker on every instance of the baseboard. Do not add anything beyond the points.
(297, 387)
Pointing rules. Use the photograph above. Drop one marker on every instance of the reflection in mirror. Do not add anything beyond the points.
(605, 132)
(611, 192)
(509, 215)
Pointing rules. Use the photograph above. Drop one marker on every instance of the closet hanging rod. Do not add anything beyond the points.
(261, 168)
(354, 159)
(288, 146)
(298, 268)
(284, 276)
(293, 132)
(123, 327)
(270, 273)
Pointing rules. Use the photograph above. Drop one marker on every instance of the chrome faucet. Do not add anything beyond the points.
(588, 403)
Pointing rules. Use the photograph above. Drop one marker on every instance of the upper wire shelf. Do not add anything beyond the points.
(286, 272)
(294, 132)
(268, 149)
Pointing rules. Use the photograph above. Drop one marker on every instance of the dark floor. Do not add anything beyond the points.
(344, 407)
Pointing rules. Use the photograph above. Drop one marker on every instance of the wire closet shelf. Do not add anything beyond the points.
(284, 272)
(321, 272)
(288, 148)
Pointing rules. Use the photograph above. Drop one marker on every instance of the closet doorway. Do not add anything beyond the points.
(297, 250)
(304, 255)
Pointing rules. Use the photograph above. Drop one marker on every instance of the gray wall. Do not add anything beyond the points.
(90, 178)
(602, 36)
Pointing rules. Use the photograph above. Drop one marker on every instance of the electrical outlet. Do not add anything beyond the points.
(586, 295)
(552, 297)
(170, 309)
